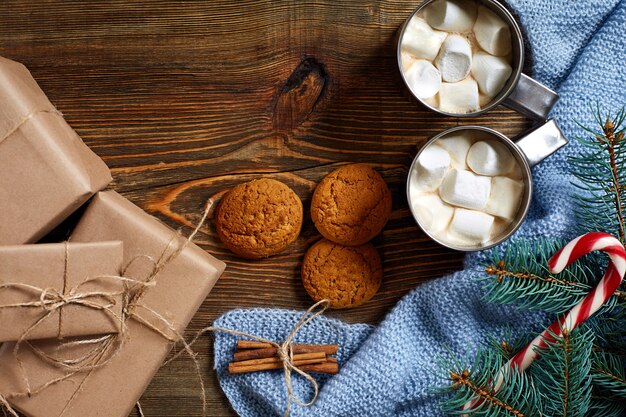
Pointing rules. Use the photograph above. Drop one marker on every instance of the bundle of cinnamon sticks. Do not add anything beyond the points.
(258, 356)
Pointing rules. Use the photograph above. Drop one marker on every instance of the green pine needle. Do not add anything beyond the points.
(610, 332)
(507, 346)
(517, 396)
(583, 373)
(520, 276)
(601, 171)
(561, 374)
(602, 407)
(608, 374)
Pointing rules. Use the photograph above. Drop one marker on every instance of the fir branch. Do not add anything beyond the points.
(582, 373)
(517, 396)
(507, 346)
(603, 407)
(521, 276)
(610, 333)
(601, 170)
(562, 374)
(608, 373)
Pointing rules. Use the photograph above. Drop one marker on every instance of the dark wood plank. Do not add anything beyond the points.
(183, 100)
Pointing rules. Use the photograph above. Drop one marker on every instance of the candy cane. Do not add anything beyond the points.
(582, 245)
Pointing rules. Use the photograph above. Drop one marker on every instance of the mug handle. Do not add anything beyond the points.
(542, 142)
(531, 98)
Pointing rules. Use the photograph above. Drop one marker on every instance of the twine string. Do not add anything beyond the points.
(7, 407)
(61, 296)
(26, 118)
(284, 351)
(104, 349)
(51, 300)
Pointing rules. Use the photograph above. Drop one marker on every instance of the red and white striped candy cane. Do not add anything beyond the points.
(582, 245)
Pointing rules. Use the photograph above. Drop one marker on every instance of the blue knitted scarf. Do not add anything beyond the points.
(579, 49)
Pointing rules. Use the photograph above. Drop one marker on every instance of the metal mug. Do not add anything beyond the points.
(520, 93)
(528, 150)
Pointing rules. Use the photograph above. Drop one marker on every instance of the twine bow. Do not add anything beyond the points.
(284, 351)
(106, 348)
(51, 300)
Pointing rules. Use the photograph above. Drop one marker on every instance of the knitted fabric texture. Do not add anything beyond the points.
(577, 48)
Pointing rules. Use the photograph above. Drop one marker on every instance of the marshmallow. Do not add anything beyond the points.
(461, 97)
(490, 158)
(492, 33)
(471, 225)
(505, 198)
(433, 214)
(500, 227)
(457, 146)
(455, 59)
(484, 100)
(407, 60)
(431, 167)
(516, 172)
(490, 72)
(465, 189)
(432, 101)
(423, 79)
(451, 15)
(420, 40)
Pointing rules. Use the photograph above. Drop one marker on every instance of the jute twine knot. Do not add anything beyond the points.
(51, 299)
(284, 351)
(106, 348)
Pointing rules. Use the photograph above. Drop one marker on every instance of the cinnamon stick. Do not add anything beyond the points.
(300, 357)
(321, 368)
(233, 368)
(248, 344)
(272, 351)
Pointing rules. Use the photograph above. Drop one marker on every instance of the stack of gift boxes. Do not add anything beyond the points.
(62, 301)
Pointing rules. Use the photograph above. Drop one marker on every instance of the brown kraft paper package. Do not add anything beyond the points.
(181, 287)
(46, 171)
(91, 268)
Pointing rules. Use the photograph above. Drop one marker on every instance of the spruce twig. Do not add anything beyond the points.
(612, 138)
(582, 373)
(605, 407)
(608, 373)
(517, 397)
(521, 276)
(562, 373)
(601, 171)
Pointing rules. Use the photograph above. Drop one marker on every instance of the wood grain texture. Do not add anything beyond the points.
(185, 99)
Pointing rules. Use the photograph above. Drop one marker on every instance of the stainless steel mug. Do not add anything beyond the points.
(528, 150)
(520, 93)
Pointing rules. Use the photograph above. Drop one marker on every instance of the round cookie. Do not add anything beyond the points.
(351, 205)
(259, 218)
(348, 276)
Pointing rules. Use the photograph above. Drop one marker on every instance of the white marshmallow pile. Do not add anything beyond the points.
(466, 190)
(456, 56)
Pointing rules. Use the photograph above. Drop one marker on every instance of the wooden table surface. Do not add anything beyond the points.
(184, 99)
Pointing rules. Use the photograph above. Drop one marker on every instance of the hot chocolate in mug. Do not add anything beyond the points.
(463, 58)
(469, 188)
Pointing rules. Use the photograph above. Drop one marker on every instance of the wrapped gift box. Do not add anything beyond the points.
(180, 288)
(46, 171)
(88, 272)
